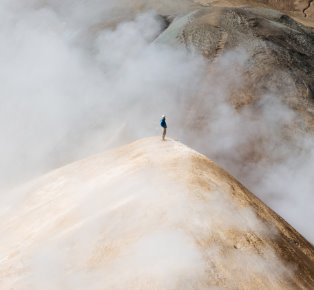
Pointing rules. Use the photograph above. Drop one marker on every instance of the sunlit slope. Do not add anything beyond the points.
(149, 215)
(301, 9)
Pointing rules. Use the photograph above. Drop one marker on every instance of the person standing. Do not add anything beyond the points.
(163, 124)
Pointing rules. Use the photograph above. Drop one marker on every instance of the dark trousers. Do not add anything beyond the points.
(164, 131)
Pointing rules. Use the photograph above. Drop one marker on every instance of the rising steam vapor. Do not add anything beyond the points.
(257, 144)
(75, 82)
(69, 91)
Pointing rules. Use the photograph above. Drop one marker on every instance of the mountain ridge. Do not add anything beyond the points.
(157, 193)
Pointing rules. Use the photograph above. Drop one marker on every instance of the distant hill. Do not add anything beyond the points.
(280, 55)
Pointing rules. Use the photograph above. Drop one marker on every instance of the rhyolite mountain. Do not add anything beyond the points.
(148, 215)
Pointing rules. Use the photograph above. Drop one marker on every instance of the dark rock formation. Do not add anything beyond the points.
(280, 52)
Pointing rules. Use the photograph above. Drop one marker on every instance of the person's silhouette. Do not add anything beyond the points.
(163, 124)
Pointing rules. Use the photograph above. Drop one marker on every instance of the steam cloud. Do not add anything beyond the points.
(75, 83)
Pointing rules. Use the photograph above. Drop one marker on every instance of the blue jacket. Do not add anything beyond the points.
(163, 123)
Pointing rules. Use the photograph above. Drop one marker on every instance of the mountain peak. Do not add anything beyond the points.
(148, 215)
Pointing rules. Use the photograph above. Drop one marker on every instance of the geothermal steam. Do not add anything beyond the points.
(74, 82)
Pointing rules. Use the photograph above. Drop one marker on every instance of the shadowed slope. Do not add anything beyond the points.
(148, 215)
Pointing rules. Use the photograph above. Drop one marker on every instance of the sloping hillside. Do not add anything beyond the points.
(301, 10)
(279, 54)
(148, 215)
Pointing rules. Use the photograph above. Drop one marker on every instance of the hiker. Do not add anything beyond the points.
(163, 124)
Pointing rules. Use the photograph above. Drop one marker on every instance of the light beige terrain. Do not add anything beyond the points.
(148, 215)
(301, 10)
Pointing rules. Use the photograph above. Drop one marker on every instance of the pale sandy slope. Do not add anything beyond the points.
(301, 10)
(149, 215)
